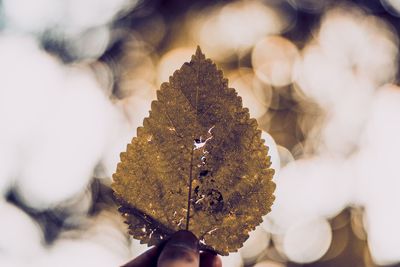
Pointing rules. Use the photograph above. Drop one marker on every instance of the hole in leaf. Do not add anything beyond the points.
(215, 200)
(204, 173)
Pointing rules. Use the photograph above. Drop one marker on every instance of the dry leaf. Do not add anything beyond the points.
(198, 163)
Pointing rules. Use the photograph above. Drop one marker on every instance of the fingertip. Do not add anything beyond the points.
(184, 238)
(148, 259)
(182, 249)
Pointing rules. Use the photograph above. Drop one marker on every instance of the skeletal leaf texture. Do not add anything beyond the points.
(198, 163)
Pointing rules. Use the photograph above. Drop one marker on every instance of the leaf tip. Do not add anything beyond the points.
(199, 54)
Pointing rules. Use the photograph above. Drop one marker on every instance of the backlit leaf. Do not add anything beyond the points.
(198, 163)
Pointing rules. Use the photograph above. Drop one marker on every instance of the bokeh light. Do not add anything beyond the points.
(236, 27)
(307, 240)
(273, 59)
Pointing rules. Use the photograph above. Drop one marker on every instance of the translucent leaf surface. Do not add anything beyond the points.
(198, 163)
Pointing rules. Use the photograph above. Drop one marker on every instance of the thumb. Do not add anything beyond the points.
(182, 250)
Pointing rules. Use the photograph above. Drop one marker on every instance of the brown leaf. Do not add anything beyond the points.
(198, 163)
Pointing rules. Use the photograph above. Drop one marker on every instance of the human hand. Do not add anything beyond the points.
(181, 250)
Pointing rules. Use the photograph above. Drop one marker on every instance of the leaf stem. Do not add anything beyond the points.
(190, 191)
(191, 156)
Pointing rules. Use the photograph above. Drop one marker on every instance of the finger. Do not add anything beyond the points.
(147, 259)
(182, 250)
(209, 259)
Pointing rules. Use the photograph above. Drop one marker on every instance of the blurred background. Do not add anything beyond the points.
(77, 78)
